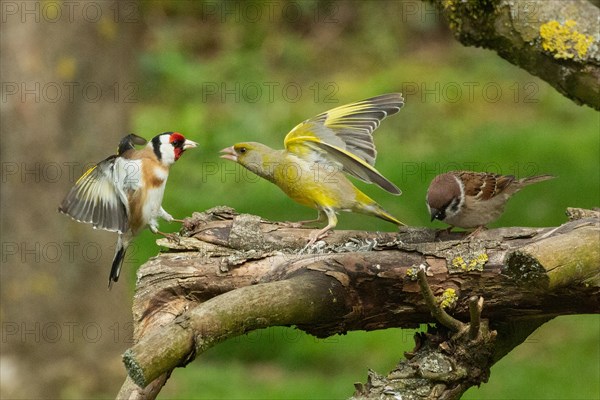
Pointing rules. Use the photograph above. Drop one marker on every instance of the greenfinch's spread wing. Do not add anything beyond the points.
(345, 135)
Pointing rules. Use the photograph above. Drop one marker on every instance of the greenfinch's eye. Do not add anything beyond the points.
(242, 150)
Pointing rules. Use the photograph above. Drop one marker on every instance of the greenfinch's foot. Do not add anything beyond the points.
(317, 235)
(181, 221)
(299, 224)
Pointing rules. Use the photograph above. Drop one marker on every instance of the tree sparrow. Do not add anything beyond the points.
(467, 199)
(124, 192)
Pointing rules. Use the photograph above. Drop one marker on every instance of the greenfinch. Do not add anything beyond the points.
(318, 152)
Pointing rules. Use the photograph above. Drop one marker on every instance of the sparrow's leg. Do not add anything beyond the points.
(445, 231)
(476, 232)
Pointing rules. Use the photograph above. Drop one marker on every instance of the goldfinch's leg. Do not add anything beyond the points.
(168, 217)
(320, 234)
(171, 236)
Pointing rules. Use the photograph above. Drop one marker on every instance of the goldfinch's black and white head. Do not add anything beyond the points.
(169, 146)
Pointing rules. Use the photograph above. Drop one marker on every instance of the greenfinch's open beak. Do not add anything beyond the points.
(189, 144)
(229, 154)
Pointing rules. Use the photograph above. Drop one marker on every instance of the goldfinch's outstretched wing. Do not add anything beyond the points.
(95, 199)
(129, 142)
(345, 135)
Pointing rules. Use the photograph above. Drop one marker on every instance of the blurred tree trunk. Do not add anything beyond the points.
(555, 40)
(63, 106)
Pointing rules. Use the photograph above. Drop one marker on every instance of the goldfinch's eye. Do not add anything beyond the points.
(176, 143)
(242, 150)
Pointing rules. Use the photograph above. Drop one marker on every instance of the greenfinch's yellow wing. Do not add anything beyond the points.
(345, 135)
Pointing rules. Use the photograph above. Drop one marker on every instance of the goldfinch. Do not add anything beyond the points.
(467, 199)
(124, 192)
(318, 152)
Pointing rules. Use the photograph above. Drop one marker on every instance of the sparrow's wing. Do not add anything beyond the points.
(95, 199)
(345, 135)
(484, 185)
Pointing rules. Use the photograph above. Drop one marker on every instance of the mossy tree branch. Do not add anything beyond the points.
(232, 273)
(555, 40)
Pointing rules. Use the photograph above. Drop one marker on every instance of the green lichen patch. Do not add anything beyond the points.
(475, 263)
(564, 41)
(448, 298)
(411, 273)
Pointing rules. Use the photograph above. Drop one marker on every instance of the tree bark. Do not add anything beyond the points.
(553, 39)
(231, 273)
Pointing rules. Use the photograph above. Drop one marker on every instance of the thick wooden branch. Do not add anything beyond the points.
(233, 273)
(306, 298)
(555, 40)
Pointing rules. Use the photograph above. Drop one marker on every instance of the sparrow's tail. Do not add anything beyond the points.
(535, 179)
(117, 263)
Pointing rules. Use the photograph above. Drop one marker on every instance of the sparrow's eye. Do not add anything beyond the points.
(242, 150)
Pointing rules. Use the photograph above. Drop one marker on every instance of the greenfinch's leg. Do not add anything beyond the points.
(332, 218)
(321, 217)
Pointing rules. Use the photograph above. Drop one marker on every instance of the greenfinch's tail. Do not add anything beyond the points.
(381, 213)
(366, 205)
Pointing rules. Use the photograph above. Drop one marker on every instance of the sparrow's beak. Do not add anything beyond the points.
(434, 213)
(189, 144)
(229, 154)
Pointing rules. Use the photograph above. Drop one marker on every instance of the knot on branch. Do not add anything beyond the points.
(445, 362)
(443, 365)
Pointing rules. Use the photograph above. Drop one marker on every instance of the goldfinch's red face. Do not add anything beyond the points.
(169, 146)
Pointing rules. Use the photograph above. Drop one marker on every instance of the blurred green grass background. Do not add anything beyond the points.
(465, 108)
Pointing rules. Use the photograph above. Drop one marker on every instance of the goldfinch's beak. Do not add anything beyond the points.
(189, 144)
(229, 154)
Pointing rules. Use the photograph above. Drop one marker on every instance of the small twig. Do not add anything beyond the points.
(475, 307)
(438, 312)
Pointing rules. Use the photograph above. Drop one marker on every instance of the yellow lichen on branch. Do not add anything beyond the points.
(564, 41)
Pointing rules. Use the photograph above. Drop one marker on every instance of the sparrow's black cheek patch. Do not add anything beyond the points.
(453, 206)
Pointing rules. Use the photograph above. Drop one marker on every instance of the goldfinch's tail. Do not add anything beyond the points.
(117, 263)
